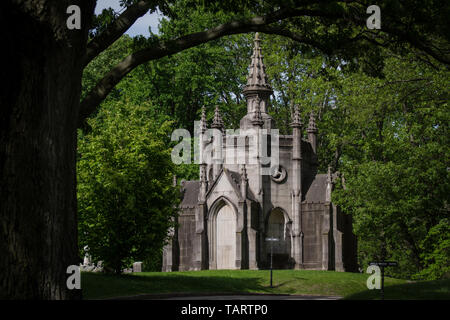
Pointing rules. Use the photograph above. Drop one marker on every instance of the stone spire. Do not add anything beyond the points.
(203, 165)
(257, 78)
(296, 191)
(312, 123)
(296, 119)
(257, 92)
(203, 123)
(217, 143)
(296, 125)
(329, 185)
(312, 131)
(217, 121)
(329, 175)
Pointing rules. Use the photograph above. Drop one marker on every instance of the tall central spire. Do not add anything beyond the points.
(257, 78)
(257, 90)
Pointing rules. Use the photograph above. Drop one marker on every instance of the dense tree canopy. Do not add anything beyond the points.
(336, 28)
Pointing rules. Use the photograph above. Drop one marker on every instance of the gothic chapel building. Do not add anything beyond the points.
(226, 218)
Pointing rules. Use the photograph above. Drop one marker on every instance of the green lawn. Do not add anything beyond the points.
(348, 285)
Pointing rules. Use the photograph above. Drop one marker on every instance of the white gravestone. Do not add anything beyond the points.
(137, 266)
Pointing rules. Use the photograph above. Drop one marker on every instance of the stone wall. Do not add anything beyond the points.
(186, 232)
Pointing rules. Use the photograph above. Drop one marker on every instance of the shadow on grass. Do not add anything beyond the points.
(280, 284)
(97, 286)
(420, 290)
(299, 278)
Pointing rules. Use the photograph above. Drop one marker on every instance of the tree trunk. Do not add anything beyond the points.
(39, 104)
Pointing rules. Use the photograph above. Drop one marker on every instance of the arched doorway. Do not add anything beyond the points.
(279, 227)
(226, 238)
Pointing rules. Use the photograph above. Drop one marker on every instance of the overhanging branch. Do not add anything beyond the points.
(261, 23)
(115, 30)
(168, 47)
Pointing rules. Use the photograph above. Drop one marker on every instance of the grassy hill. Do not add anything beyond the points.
(347, 285)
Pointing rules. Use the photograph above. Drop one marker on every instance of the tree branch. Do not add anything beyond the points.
(261, 23)
(294, 36)
(115, 30)
(168, 47)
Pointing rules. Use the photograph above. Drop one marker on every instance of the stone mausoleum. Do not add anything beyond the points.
(227, 217)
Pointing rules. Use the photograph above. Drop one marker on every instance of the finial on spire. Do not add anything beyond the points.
(203, 124)
(217, 121)
(312, 123)
(257, 40)
(296, 119)
(329, 185)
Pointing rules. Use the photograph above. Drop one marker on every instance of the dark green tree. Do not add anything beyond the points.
(395, 155)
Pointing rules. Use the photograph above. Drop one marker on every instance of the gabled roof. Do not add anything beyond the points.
(317, 190)
(190, 190)
(233, 178)
(236, 177)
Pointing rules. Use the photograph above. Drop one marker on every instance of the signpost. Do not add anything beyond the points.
(382, 265)
(271, 240)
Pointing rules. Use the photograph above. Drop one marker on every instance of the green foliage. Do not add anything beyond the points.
(436, 252)
(388, 136)
(382, 115)
(98, 67)
(395, 155)
(125, 194)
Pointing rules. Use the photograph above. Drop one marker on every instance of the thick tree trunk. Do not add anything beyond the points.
(39, 108)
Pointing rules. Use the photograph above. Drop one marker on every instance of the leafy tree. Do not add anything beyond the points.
(436, 252)
(388, 137)
(395, 163)
(125, 195)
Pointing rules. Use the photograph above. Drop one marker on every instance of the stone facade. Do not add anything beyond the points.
(226, 216)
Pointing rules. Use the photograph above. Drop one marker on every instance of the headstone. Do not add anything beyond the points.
(87, 258)
(99, 267)
(137, 266)
(89, 268)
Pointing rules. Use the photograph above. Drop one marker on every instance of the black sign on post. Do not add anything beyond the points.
(382, 265)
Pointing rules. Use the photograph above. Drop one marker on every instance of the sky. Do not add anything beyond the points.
(140, 27)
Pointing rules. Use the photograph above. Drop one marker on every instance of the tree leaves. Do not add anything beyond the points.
(125, 193)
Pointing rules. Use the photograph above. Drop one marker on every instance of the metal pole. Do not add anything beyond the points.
(271, 260)
(271, 240)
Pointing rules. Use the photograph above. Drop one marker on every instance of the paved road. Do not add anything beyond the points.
(256, 297)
